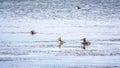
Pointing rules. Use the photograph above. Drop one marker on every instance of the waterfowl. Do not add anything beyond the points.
(33, 32)
(77, 7)
(59, 41)
(85, 43)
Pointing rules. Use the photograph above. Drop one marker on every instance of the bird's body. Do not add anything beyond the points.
(85, 42)
(77, 7)
(60, 42)
(33, 32)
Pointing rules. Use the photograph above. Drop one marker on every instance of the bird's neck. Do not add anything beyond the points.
(84, 40)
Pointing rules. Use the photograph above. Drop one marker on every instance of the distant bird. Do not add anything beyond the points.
(60, 42)
(85, 43)
(77, 7)
(32, 32)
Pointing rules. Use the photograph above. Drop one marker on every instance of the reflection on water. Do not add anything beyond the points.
(97, 21)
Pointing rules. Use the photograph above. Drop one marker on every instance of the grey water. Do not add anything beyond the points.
(97, 20)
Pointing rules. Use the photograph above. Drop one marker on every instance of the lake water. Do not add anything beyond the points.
(97, 20)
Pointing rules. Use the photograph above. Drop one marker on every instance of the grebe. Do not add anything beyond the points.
(33, 32)
(77, 7)
(85, 43)
(60, 42)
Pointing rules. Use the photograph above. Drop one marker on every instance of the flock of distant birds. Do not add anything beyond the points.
(84, 42)
(60, 41)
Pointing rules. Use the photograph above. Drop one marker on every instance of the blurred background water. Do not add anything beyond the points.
(96, 20)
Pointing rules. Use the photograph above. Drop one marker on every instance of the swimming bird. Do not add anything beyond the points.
(32, 32)
(77, 7)
(85, 43)
(60, 42)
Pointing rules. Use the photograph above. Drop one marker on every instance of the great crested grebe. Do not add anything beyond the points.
(60, 42)
(85, 43)
(77, 7)
(32, 32)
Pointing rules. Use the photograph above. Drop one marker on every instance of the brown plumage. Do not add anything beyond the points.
(85, 43)
(60, 42)
(33, 32)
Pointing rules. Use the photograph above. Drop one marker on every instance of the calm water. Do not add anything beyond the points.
(97, 20)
